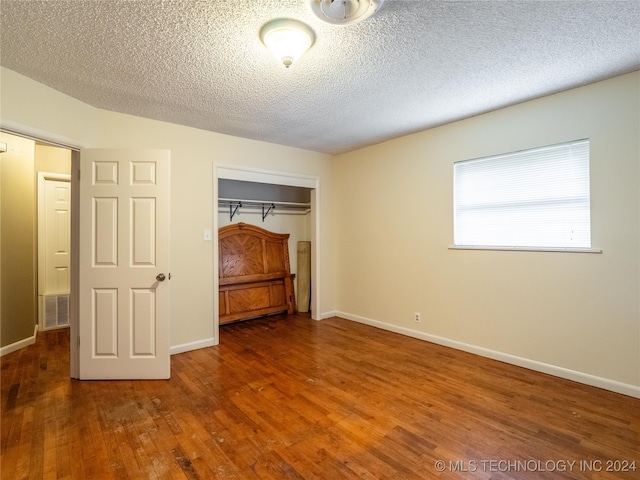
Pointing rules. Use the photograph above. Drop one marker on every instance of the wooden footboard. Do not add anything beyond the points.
(254, 273)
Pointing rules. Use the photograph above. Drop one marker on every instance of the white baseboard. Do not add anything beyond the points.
(20, 344)
(187, 347)
(580, 377)
(327, 315)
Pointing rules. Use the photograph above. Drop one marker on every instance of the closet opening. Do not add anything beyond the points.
(279, 203)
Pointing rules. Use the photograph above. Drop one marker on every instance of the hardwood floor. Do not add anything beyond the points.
(290, 398)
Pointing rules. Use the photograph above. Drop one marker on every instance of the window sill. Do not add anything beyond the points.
(525, 249)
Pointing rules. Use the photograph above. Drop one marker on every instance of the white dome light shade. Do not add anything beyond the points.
(287, 39)
(344, 12)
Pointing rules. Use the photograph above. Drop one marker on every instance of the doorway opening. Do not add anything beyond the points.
(54, 245)
(29, 302)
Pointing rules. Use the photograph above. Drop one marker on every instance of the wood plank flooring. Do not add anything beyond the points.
(290, 398)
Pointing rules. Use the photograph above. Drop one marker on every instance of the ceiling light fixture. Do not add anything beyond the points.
(344, 12)
(287, 39)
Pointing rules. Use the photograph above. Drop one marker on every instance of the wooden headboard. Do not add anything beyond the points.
(254, 274)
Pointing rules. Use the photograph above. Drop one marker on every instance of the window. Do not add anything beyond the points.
(537, 198)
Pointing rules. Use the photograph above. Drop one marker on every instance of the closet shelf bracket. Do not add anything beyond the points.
(264, 214)
(233, 211)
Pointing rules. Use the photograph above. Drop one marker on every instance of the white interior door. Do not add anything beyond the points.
(124, 264)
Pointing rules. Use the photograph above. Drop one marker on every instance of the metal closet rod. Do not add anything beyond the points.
(235, 204)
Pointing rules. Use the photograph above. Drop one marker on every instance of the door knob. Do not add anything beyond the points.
(160, 277)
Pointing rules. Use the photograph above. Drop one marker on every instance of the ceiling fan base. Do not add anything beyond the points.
(344, 12)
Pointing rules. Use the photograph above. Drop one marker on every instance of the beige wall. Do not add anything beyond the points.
(31, 107)
(574, 311)
(193, 156)
(52, 159)
(18, 240)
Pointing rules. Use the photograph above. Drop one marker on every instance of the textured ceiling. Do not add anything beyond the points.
(415, 64)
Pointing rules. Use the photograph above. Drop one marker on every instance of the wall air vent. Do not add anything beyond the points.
(56, 311)
(344, 12)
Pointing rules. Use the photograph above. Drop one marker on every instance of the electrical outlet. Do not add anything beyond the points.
(417, 317)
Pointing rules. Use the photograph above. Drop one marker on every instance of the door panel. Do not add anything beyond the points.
(144, 302)
(105, 243)
(105, 322)
(143, 230)
(124, 245)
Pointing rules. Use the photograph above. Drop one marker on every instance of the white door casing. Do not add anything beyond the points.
(124, 254)
(54, 249)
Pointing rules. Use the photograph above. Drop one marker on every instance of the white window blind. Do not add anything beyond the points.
(531, 198)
